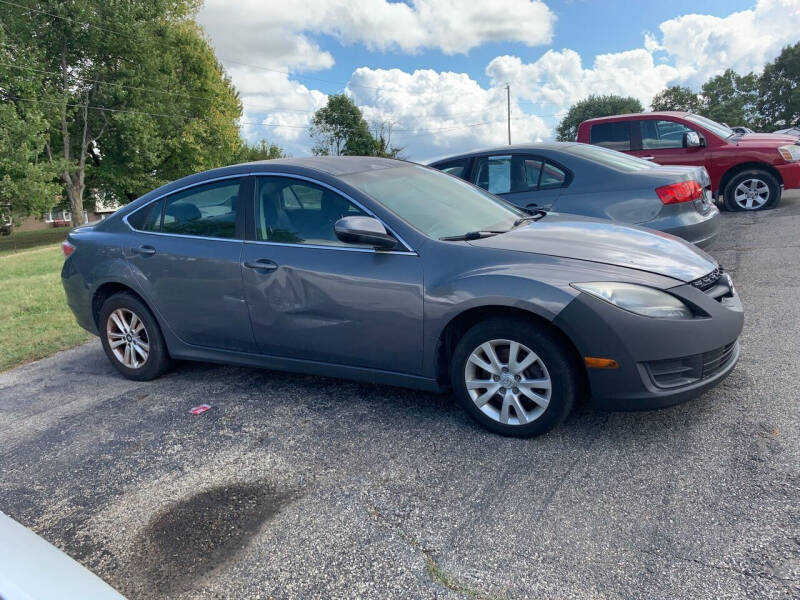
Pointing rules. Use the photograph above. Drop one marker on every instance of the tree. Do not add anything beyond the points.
(677, 98)
(731, 98)
(339, 128)
(263, 150)
(592, 107)
(779, 90)
(27, 182)
(136, 79)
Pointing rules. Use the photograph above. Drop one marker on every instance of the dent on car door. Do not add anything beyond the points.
(313, 297)
(518, 178)
(185, 253)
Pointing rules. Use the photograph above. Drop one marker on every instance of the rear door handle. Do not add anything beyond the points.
(146, 250)
(261, 264)
(648, 157)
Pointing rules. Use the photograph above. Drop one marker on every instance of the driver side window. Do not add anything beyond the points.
(660, 135)
(294, 211)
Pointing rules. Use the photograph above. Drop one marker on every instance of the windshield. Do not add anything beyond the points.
(610, 158)
(719, 129)
(436, 204)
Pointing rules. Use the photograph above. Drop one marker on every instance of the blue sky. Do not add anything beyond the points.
(434, 70)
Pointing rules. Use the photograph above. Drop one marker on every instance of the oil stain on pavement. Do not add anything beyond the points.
(196, 535)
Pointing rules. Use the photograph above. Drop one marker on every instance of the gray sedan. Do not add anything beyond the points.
(390, 272)
(590, 180)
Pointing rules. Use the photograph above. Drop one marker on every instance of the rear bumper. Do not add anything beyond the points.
(692, 226)
(78, 296)
(790, 174)
(638, 344)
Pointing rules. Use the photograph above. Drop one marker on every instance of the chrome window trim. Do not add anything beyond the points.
(407, 251)
(180, 189)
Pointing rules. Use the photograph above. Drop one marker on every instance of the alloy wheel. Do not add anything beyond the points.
(508, 382)
(127, 337)
(751, 194)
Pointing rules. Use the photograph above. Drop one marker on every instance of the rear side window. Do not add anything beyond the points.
(209, 210)
(616, 136)
(457, 168)
(147, 218)
(510, 174)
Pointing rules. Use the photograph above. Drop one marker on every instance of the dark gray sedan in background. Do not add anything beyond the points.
(390, 272)
(589, 180)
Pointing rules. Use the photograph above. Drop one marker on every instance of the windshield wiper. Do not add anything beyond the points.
(533, 217)
(471, 235)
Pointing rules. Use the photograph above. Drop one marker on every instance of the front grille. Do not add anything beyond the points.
(708, 281)
(677, 372)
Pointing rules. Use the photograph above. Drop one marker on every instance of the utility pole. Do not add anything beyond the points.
(508, 99)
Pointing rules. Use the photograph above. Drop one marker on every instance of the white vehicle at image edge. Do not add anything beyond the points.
(32, 569)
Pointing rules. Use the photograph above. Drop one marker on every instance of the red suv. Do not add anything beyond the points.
(748, 170)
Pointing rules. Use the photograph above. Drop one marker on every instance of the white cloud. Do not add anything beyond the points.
(272, 33)
(434, 114)
(702, 46)
(690, 50)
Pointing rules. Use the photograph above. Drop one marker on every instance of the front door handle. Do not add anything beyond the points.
(261, 264)
(647, 157)
(145, 250)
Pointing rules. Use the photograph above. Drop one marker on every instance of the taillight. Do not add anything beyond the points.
(685, 191)
(67, 248)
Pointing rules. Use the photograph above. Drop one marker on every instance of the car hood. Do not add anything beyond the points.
(768, 139)
(602, 241)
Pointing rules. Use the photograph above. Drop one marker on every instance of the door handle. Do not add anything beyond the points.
(145, 250)
(261, 264)
(648, 157)
(532, 205)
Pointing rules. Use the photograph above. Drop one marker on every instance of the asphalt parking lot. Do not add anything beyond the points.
(303, 487)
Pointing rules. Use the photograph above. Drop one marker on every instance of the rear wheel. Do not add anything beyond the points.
(132, 338)
(753, 189)
(513, 378)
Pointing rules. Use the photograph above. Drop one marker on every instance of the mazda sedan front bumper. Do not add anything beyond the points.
(661, 362)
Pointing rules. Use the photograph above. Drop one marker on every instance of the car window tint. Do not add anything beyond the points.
(206, 210)
(662, 134)
(616, 136)
(508, 174)
(147, 218)
(291, 211)
(552, 176)
(454, 167)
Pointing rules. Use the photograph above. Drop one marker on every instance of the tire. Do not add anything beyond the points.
(139, 353)
(551, 361)
(750, 190)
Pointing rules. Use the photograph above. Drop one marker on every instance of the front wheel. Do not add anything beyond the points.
(132, 338)
(752, 190)
(513, 377)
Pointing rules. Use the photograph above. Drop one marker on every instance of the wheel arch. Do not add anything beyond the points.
(747, 166)
(460, 324)
(108, 289)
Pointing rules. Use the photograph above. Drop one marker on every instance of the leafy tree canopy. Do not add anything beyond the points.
(339, 128)
(677, 98)
(592, 107)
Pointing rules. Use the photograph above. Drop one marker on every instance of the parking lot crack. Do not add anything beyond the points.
(717, 567)
(438, 574)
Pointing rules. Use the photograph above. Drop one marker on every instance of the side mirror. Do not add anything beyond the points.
(691, 139)
(364, 230)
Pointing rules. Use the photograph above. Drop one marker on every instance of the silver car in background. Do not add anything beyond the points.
(583, 179)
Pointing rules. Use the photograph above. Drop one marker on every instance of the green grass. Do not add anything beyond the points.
(35, 320)
(25, 240)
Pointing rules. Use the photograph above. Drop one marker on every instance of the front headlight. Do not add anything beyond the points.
(790, 153)
(639, 299)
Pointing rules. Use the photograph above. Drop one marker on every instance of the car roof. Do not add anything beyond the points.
(647, 115)
(508, 150)
(333, 165)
